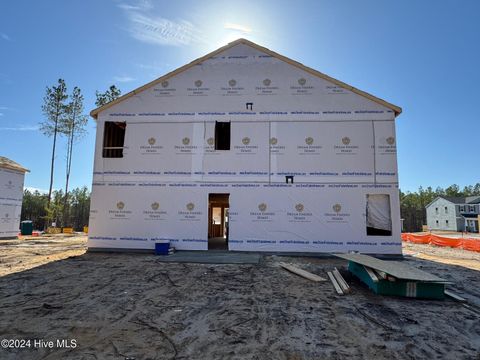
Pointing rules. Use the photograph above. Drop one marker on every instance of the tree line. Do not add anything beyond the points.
(412, 204)
(64, 117)
(71, 210)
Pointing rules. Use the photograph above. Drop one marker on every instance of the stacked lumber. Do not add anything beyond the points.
(339, 283)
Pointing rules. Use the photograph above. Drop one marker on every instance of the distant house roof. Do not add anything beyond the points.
(454, 199)
(458, 200)
(6, 163)
(472, 199)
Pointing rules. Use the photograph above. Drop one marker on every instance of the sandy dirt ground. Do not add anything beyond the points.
(29, 252)
(119, 306)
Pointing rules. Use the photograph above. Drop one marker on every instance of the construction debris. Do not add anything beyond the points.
(302, 273)
(341, 281)
(335, 283)
(371, 273)
(395, 278)
(454, 296)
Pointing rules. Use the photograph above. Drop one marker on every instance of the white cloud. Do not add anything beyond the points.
(156, 67)
(33, 189)
(138, 5)
(5, 37)
(129, 7)
(6, 108)
(123, 78)
(20, 128)
(237, 27)
(158, 30)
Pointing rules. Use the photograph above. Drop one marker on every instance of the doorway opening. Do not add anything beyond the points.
(218, 221)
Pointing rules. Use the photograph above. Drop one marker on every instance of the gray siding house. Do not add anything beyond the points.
(454, 213)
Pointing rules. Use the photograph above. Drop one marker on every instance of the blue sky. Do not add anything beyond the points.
(421, 55)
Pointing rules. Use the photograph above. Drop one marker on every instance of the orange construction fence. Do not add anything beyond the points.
(470, 244)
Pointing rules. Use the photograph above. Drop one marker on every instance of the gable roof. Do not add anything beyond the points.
(457, 200)
(462, 199)
(396, 109)
(472, 199)
(6, 163)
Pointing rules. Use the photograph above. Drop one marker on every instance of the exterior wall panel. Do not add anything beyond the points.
(338, 145)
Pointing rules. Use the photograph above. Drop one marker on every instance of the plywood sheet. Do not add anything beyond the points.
(397, 269)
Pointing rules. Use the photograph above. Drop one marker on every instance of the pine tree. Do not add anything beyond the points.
(73, 126)
(104, 98)
(54, 110)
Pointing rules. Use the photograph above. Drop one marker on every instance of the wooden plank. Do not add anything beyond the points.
(454, 296)
(302, 273)
(341, 281)
(397, 269)
(383, 275)
(371, 273)
(380, 274)
(335, 284)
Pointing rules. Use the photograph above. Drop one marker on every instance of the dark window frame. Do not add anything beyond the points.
(222, 135)
(113, 139)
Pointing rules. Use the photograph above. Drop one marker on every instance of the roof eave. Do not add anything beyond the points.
(15, 168)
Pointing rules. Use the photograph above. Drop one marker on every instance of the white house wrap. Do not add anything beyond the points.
(11, 195)
(285, 119)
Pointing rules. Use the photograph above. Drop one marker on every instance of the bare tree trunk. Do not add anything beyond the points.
(69, 166)
(52, 166)
(65, 202)
(71, 137)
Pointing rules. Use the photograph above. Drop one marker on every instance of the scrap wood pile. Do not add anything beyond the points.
(339, 283)
(395, 277)
(383, 277)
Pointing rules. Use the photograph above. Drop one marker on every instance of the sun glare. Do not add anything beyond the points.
(222, 24)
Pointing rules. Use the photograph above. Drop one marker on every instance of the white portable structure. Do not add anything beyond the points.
(11, 195)
(158, 160)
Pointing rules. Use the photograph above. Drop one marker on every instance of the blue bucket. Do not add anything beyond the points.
(161, 247)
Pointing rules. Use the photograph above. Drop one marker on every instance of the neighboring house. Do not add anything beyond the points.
(249, 147)
(454, 213)
(11, 195)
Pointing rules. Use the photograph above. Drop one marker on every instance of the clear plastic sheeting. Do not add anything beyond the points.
(378, 212)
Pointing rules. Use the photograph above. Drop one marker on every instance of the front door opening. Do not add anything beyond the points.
(218, 221)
